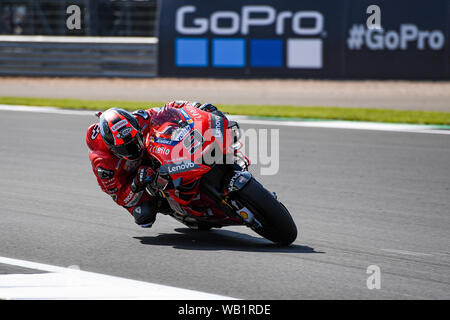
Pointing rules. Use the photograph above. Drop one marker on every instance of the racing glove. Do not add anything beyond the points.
(208, 107)
(144, 177)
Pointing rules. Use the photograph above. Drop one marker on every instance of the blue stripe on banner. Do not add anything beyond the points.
(191, 52)
(229, 53)
(266, 53)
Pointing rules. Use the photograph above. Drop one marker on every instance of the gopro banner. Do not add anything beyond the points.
(315, 39)
(412, 44)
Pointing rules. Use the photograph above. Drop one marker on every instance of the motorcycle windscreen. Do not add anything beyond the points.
(168, 123)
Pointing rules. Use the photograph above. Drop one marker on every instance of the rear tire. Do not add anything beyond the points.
(277, 223)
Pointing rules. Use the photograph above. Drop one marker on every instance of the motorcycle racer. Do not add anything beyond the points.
(119, 161)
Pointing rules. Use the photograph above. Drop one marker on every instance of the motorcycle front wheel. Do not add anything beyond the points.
(277, 224)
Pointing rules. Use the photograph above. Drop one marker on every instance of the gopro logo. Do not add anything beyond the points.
(231, 52)
(241, 23)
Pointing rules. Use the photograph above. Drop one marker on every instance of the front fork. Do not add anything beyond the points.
(238, 181)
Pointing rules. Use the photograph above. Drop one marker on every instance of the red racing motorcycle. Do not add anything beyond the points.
(204, 176)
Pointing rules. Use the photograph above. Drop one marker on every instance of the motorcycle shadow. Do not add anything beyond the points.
(218, 239)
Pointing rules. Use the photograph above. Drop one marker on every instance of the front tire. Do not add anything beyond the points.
(277, 223)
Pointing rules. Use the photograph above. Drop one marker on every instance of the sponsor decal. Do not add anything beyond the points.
(301, 53)
(124, 132)
(232, 180)
(239, 180)
(104, 173)
(108, 184)
(194, 112)
(128, 198)
(118, 125)
(243, 214)
(176, 159)
(217, 126)
(408, 36)
(132, 199)
(179, 167)
(164, 141)
(180, 133)
(136, 199)
(159, 150)
(240, 22)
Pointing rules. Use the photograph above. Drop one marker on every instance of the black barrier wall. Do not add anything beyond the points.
(305, 38)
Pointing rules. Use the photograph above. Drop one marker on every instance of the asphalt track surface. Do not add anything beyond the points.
(359, 198)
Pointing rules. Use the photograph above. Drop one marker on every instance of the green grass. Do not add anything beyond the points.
(300, 112)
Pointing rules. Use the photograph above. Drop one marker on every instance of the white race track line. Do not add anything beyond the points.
(66, 283)
(356, 125)
(53, 110)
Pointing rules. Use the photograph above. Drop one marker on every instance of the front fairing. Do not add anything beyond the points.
(179, 137)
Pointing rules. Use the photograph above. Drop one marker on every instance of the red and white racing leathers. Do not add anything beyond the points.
(115, 175)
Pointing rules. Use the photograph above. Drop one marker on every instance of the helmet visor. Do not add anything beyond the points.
(130, 150)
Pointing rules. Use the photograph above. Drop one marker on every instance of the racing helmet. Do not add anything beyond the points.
(122, 134)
